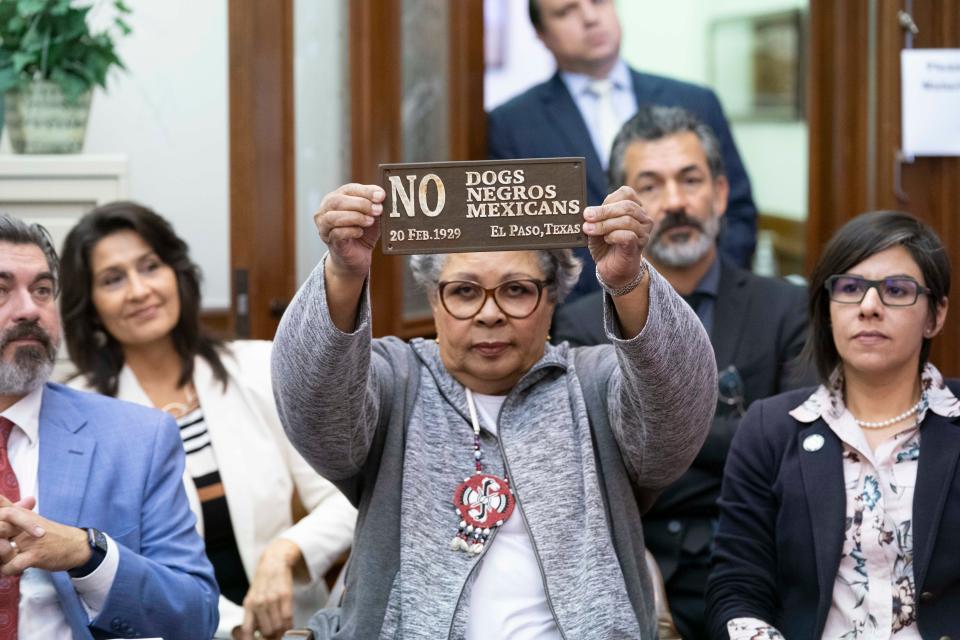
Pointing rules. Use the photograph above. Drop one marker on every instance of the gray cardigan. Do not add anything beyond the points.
(586, 434)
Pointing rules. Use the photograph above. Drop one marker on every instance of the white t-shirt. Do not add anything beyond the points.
(507, 600)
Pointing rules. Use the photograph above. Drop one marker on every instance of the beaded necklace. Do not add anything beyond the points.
(867, 424)
(483, 501)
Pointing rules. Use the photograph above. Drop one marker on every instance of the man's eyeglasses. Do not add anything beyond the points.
(516, 298)
(900, 291)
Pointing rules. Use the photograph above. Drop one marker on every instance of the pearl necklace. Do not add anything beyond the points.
(866, 424)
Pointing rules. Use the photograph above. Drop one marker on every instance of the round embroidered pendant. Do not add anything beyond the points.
(484, 502)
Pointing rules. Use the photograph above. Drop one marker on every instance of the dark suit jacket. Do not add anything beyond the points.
(759, 326)
(544, 122)
(782, 520)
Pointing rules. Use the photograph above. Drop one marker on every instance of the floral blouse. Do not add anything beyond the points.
(873, 594)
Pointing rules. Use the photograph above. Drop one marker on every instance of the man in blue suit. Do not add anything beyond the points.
(96, 537)
(581, 108)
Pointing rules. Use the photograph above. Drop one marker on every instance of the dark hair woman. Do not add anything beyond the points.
(131, 314)
(839, 503)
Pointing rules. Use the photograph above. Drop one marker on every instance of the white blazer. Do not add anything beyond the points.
(260, 470)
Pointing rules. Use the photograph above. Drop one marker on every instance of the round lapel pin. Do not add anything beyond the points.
(813, 443)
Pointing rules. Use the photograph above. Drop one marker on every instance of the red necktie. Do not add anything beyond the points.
(9, 585)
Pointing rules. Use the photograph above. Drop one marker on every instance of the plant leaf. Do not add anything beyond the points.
(72, 85)
(22, 60)
(27, 8)
(124, 26)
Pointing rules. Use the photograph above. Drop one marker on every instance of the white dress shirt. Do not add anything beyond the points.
(588, 103)
(40, 612)
(507, 599)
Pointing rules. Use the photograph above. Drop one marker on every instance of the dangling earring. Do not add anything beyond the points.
(99, 338)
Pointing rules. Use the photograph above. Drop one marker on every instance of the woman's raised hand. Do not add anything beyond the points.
(618, 232)
(348, 222)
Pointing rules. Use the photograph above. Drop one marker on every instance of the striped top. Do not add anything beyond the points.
(221, 544)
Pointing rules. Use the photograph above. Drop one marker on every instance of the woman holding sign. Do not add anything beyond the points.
(494, 473)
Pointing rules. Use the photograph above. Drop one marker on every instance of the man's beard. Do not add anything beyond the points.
(683, 254)
(31, 365)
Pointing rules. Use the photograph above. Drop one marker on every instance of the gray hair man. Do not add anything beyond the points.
(756, 325)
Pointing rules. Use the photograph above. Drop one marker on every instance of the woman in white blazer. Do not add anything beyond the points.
(130, 304)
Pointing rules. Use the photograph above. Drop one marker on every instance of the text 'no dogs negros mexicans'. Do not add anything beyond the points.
(489, 194)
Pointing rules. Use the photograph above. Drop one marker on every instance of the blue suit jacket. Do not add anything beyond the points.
(118, 467)
(782, 521)
(544, 122)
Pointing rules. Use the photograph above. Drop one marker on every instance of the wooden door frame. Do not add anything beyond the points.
(854, 124)
(262, 151)
(262, 164)
(376, 124)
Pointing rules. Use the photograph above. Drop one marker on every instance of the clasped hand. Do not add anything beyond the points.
(28, 540)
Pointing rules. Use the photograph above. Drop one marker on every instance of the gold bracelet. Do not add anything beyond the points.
(627, 288)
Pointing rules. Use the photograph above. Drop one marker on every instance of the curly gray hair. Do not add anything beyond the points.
(561, 270)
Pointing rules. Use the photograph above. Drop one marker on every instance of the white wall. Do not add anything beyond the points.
(525, 60)
(168, 114)
(672, 38)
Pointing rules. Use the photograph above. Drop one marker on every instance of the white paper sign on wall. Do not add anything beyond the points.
(930, 82)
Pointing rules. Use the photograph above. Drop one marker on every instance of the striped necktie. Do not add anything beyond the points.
(607, 122)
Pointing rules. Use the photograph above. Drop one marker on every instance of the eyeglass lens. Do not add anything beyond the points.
(516, 298)
(894, 292)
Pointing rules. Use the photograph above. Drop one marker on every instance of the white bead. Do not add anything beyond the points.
(867, 424)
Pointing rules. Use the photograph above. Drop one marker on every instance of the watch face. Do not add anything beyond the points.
(98, 540)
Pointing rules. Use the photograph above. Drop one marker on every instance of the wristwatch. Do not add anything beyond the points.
(98, 551)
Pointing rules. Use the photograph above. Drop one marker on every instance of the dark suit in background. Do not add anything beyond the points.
(759, 326)
(544, 122)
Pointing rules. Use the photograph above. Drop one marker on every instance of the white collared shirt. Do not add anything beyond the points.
(624, 102)
(40, 612)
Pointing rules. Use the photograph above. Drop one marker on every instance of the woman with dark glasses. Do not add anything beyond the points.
(495, 474)
(841, 504)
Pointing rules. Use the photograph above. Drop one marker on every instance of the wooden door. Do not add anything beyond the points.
(395, 46)
(262, 172)
(854, 112)
(416, 94)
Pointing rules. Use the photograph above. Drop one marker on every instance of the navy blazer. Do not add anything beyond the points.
(782, 519)
(544, 122)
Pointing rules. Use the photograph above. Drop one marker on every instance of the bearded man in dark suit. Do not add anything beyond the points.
(757, 326)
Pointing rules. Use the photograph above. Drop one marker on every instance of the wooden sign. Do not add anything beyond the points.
(487, 205)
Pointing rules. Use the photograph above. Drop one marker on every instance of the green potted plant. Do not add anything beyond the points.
(50, 61)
